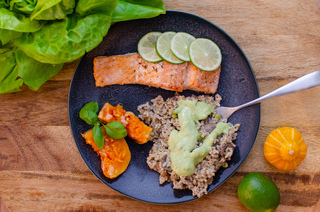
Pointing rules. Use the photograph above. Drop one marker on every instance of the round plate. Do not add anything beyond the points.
(237, 85)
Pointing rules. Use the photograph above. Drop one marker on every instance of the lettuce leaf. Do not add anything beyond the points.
(67, 40)
(34, 73)
(52, 9)
(8, 35)
(17, 68)
(38, 36)
(107, 7)
(136, 9)
(17, 22)
(73, 36)
(7, 62)
(4, 3)
(24, 6)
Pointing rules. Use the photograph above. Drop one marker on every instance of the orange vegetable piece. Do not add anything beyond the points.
(115, 154)
(285, 148)
(136, 129)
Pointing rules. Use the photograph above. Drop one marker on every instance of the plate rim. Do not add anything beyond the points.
(232, 173)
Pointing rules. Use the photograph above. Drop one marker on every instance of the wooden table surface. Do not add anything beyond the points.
(41, 169)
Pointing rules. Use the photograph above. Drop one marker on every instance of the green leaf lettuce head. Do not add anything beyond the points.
(38, 36)
(66, 40)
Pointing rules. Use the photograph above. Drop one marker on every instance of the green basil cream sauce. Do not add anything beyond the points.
(184, 157)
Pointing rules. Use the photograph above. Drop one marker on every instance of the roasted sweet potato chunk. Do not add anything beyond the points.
(115, 154)
(136, 129)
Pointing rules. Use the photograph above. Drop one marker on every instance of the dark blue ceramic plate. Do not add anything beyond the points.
(237, 85)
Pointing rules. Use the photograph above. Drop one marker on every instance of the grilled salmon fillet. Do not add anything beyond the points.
(202, 81)
(133, 69)
(118, 69)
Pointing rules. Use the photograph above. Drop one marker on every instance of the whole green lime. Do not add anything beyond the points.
(258, 193)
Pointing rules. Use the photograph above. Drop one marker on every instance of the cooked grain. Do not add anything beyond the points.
(158, 115)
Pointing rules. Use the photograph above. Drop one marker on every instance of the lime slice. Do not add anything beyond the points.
(180, 43)
(163, 47)
(147, 47)
(205, 54)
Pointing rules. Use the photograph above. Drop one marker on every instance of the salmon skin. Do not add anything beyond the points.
(133, 69)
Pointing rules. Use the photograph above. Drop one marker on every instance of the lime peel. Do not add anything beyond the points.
(258, 193)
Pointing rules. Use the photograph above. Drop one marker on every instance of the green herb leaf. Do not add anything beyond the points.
(199, 136)
(115, 130)
(92, 106)
(89, 113)
(98, 136)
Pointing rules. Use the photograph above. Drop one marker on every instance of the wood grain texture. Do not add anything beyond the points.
(41, 169)
(318, 2)
(3, 207)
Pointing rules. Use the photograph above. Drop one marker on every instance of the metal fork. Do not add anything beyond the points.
(307, 81)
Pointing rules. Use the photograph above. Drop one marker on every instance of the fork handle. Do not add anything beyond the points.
(305, 82)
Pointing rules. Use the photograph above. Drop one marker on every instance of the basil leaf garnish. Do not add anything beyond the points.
(98, 136)
(92, 106)
(89, 113)
(115, 130)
